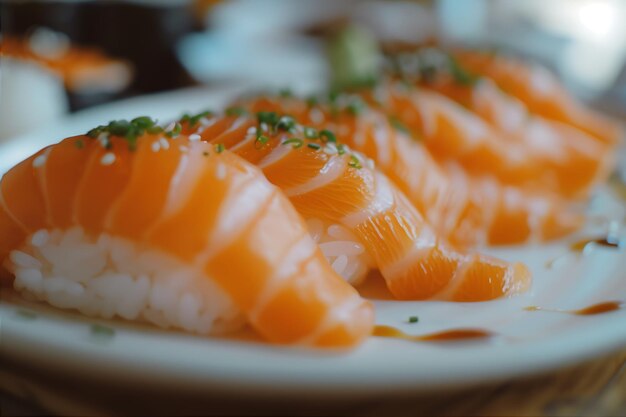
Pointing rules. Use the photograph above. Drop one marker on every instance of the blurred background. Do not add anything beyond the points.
(64, 56)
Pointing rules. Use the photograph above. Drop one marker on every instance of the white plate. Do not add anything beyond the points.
(528, 342)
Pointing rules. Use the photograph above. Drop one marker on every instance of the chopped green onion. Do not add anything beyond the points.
(93, 133)
(286, 123)
(340, 149)
(235, 111)
(327, 136)
(355, 107)
(295, 141)
(126, 130)
(26, 314)
(285, 92)
(143, 122)
(155, 130)
(413, 319)
(219, 148)
(175, 131)
(102, 332)
(262, 139)
(311, 133)
(314, 146)
(461, 74)
(398, 125)
(312, 101)
(194, 119)
(354, 162)
(268, 117)
(119, 127)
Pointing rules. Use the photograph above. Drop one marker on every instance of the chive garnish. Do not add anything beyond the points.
(192, 120)
(311, 133)
(119, 127)
(327, 136)
(285, 92)
(219, 148)
(268, 117)
(312, 101)
(235, 111)
(175, 130)
(355, 107)
(142, 122)
(26, 314)
(314, 146)
(286, 123)
(354, 162)
(296, 143)
(398, 125)
(102, 332)
(413, 319)
(461, 75)
(128, 130)
(262, 140)
(154, 130)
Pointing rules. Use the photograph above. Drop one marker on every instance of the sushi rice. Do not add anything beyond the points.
(114, 277)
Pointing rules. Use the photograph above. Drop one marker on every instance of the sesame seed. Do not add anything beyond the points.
(164, 143)
(40, 160)
(264, 127)
(316, 116)
(221, 171)
(194, 137)
(103, 139)
(40, 238)
(251, 130)
(108, 158)
(170, 127)
(155, 146)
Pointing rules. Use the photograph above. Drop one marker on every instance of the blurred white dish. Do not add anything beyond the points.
(527, 342)
(30, 97)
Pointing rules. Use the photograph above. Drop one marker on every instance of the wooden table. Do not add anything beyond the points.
(595, 388)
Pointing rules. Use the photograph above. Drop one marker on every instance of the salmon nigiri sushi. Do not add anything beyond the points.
(359, 215)
(465, 210)
(144, 224)
(569, 160)
(540, 91)
(454, 134)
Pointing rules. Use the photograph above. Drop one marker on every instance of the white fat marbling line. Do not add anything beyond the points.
(333, 169)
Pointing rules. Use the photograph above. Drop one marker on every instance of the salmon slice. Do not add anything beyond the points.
(465, 210)
(453, 133)
(541, 92)
(573, 161)
(209, 209)
(342, 187)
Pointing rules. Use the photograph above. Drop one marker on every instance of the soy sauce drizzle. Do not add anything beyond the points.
(608, 242)
(592, 310)
(579, 246)
(443, 336)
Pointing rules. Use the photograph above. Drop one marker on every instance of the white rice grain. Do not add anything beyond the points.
(110, 277)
